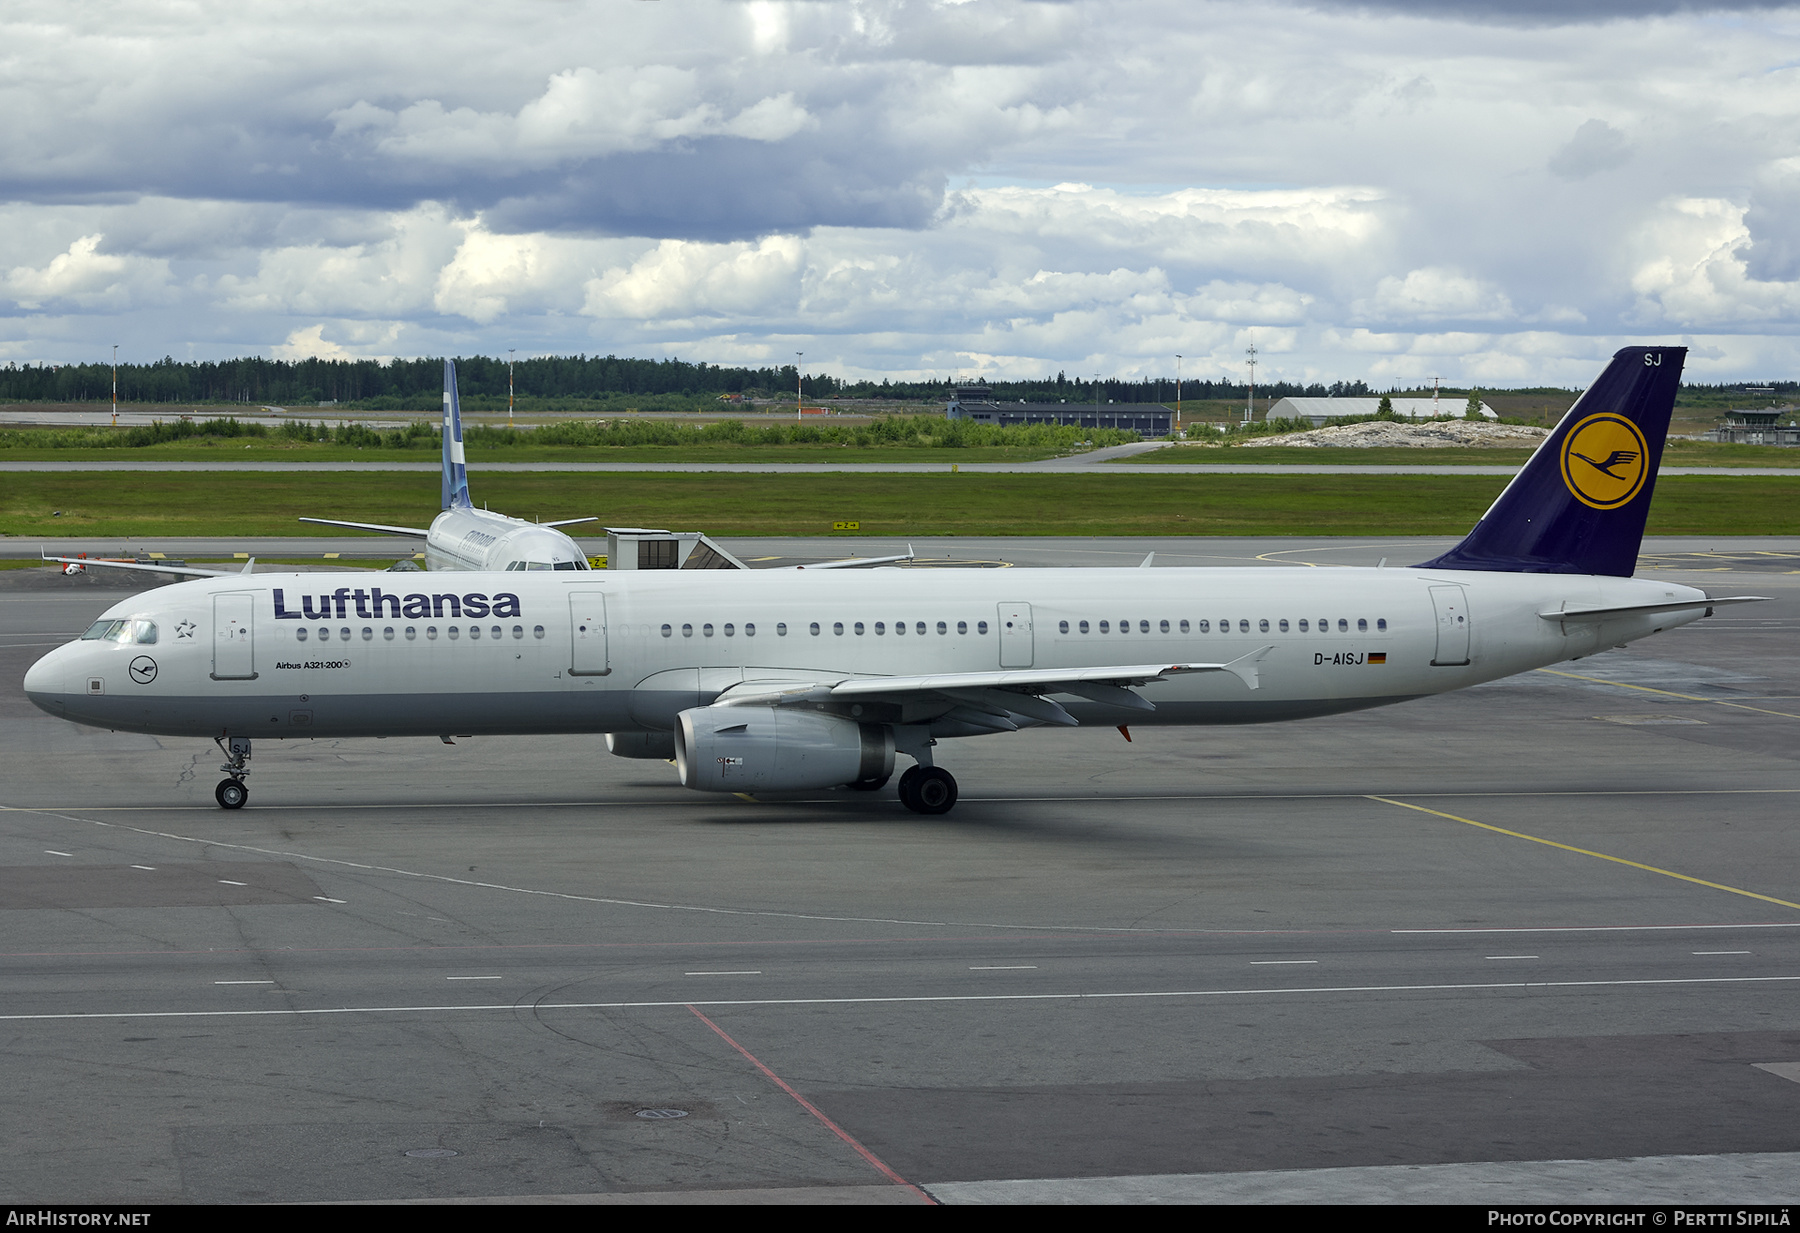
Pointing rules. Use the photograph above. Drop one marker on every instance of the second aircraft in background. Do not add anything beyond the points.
(463, 537)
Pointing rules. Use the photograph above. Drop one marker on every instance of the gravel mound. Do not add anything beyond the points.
(1432, 434)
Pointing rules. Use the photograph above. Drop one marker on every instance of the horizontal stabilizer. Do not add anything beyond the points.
(1607, 614)
(569, 522)
(412, 532)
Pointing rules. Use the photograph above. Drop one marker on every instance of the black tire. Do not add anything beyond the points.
(231, 794)
(909, 779)
(933, 792)
(870, 785)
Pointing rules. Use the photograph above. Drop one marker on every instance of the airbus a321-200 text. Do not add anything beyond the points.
(783, 680)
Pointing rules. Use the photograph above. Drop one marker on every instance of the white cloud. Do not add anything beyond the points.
(684, 278)
(308, 343)
(1434, 294)
(83, 277)
(1691, 270)
(894, 184)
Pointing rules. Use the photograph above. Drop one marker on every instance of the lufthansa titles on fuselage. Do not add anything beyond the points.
(374, 603)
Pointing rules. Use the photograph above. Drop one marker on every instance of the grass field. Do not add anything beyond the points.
(293, 451)
(135, 503)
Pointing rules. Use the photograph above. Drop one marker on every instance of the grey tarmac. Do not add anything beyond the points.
(1538, 941)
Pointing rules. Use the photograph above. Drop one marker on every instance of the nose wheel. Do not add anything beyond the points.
(928, 790)
(231, 792)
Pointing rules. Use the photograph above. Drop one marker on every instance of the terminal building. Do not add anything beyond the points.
(1757, 427)
(976, 404)
(1318, 410)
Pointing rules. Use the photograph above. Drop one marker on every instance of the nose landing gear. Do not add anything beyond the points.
(232, 792)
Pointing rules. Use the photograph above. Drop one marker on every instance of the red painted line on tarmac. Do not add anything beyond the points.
(813, 1109)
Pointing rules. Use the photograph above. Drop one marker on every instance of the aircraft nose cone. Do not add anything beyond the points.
(46, 681)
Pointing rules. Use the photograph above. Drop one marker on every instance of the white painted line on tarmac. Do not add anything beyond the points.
(1607, 928)
(329, 899)
(243, 982)
(54, 852)
(472, 978)
(1721, 952)
(1268, 963)
(146, 868)
(744, 973)
(1008, 967)
(229, 882)
(922, 999)
(1512, 956)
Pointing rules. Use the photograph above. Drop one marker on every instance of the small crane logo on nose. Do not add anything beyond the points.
(143, 670)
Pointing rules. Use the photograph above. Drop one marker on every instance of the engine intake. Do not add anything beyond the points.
(750, 748)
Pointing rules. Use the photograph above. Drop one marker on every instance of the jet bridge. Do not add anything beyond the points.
(650, 548)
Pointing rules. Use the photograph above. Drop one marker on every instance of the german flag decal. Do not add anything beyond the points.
(1378, 657)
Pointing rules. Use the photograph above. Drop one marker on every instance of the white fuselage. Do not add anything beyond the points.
(380, 654)
(479, 540)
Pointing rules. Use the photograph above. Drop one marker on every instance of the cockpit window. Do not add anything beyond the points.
(138, 631)
(566, 565)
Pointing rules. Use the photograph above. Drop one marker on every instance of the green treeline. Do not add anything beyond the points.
(396, 385)
(926, 432)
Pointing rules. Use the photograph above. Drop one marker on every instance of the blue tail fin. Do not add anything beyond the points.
(1580, 503)
(456, 478)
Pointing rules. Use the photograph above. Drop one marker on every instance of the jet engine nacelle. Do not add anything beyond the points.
(655, 745)
(750, 748)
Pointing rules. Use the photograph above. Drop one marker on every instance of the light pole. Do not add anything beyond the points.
(115, 385)
(510, 365)
(799, 396)
(1178, 393)
(1250, 407)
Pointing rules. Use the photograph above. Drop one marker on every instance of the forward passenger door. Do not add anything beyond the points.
(587, 631)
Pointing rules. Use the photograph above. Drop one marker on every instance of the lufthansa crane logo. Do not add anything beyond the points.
(1605, 461)
(143, 669)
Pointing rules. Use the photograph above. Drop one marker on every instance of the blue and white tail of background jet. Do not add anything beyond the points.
(1580, 503)
(456, 475)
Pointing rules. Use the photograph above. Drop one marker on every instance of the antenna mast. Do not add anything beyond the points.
(1250, 407)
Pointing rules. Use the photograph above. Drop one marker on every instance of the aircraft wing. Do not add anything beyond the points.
(861, 562)
(185, 571)
(569, 522)
(414, 532)
(1607, 614)
(994, 694)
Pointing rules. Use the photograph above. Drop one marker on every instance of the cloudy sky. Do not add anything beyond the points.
(1491, 192)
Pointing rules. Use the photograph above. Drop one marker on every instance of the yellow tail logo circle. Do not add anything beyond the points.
(1605, 460)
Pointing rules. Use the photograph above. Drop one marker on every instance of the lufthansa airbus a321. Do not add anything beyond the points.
(787, 680)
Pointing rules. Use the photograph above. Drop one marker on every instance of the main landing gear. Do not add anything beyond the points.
(232, 793)
(928, 789)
